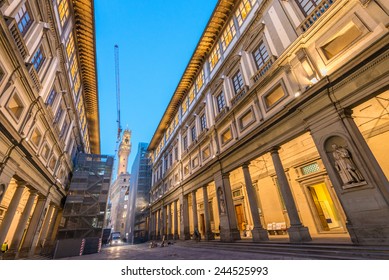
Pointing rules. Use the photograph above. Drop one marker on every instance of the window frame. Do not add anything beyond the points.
(19, 20)
(39, 58)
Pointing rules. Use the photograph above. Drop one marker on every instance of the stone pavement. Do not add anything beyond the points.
(179, 250)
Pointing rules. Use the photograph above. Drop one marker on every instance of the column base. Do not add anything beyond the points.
(176, 236)
(299, 234)
(209, 236)
(259, 234)
(185, 236)
(229, 235)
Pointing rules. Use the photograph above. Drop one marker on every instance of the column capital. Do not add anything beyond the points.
(274, 149)
(225, 175)
(21, 183)
(246, 164)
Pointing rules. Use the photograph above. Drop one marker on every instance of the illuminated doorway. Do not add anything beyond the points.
(239, 216)
(324, 207)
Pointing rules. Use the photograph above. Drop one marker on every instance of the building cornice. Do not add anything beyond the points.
(220, 15)
(84, 28)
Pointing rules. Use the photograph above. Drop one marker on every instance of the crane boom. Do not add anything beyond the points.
(117, 90)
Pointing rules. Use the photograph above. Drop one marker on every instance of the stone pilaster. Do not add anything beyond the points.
(184, 218)
(208, 235)
(175, 221)
(228, 225)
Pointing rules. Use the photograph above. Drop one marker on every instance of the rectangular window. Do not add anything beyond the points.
(274, 96)
(185, 142)
(260, 55)
(51, 98)
(243, 10)
(184, 105)
(200, 80)
(38, 59)
(74, 68)
(70, 46)
(221, 103)
(206, 153)
(170, 159)
(226, 136)
(228, 35)
(214, 57)
(311, 168)
(191, 95)
(175, 153)
(307, 6)
(247, 119)
(237, 81)
(23, 19)
(63, 11)
(58, 115)
(344, 38)
(186, 169)
(195, 162)
(193, 133)
(64, 129)
(203, 122)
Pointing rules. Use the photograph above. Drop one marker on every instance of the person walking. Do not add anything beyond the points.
(4, 249)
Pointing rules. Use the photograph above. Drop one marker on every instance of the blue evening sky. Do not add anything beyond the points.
(156, 39)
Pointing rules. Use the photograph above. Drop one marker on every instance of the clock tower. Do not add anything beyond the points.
(124, 152)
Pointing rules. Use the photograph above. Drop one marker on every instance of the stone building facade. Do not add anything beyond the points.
(279, 126)
(48, 113)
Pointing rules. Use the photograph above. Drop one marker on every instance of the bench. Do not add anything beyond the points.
(277, 228)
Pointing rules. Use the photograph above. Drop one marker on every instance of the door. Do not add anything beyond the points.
(324, 206)
(202, 224)
(240, 216)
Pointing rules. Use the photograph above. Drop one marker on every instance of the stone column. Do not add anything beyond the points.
(158, 224)
(35, 241)
(297, 232)
(209, 235)
(6, 175)
(228, 224)
(151, 225)
(33, 228)
(14, 247)
(184, 218)
(49, 236)
(194, 211)
(45, 226)
(175, 221)
(169, 221)
(258, 232)
(11, 210)
(163, 221)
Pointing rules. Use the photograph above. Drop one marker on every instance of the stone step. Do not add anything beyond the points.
(310, 251)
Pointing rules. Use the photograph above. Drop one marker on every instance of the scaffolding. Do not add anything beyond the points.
(86, 203)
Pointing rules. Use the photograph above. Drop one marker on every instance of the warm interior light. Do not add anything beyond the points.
(297, 93)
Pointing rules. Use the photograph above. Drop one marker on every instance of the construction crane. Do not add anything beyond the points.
(117, 90)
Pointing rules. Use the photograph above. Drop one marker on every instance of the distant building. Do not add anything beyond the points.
(279, 125)
(48, 113)
(139, 196)
(119, 190)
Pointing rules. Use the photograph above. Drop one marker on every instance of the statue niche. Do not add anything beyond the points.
(345, 166)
